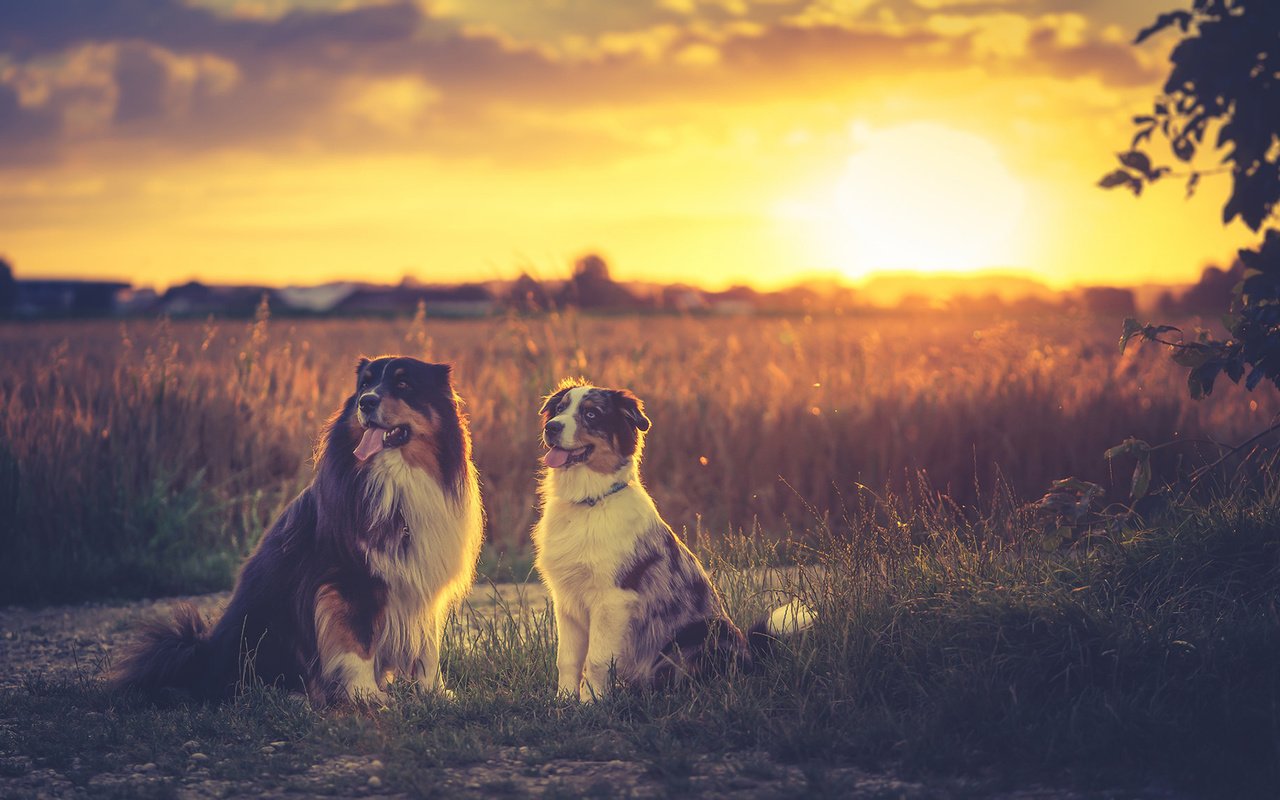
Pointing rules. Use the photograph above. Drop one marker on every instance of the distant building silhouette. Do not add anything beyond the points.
(463, 300)
(44, 298)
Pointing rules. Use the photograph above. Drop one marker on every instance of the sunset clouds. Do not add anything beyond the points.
(251, 74)
(453, 94)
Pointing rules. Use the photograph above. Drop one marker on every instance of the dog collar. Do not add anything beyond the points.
(614, 489)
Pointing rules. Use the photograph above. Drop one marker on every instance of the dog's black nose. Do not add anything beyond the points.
(553, 428)
(369, 402)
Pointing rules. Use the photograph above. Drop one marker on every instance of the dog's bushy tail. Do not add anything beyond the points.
(168, 654)
(784, 622)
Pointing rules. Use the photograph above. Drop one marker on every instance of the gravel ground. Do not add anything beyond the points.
(59, 641)
(69, 641)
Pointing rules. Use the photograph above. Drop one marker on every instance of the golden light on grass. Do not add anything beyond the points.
(917, 197)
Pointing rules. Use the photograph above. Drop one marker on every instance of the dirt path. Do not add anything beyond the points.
(72, 641)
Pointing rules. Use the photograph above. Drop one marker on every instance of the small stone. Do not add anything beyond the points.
(150, 766)
(375, 764)
(278, 745)
(191, 746)
(267, 750)
(374, 782)
(198, 757)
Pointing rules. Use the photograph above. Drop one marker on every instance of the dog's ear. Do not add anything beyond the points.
(632, 408)
(440, 373)
(360, 365)
(553, 400)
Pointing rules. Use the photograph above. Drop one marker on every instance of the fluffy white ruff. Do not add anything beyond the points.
(430, 575)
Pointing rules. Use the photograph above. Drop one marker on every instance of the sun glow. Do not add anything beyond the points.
(918, 197)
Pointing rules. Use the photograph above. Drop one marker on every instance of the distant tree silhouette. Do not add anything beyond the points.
(591, 287)
(1225, 74)
(8, 288)
(1108, 300)
(1213, 292)
(527, 294)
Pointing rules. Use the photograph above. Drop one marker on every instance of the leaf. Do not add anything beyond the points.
(1231, 322)
(1117, 178)
(1193, 355)
(1137, 447)
(1074, 484)
(1255, 377)
(1131, 328)
(1192, 183)
(1054, 539)
(1137, 160)
(1141, 479)
(1200, 379)
(1184, 149)
(1234, 370)
(1182, 18)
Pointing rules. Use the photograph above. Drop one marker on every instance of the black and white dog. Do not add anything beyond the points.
(353, 583)
(627, 593)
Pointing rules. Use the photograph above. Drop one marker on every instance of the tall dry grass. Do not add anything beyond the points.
(146, 457)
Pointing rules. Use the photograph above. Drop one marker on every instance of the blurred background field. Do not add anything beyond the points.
(145, 457)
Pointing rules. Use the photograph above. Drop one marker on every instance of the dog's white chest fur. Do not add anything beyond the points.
(435, 565)
(581, 548)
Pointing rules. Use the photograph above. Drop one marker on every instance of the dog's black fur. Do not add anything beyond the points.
(268, 631)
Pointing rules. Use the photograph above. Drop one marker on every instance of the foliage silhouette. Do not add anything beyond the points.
(1224, 77)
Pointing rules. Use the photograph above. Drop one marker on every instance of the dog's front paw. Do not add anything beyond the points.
(363, 696)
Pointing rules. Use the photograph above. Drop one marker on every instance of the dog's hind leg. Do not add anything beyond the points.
(343, 646)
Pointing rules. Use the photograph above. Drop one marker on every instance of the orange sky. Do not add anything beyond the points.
(711, 141)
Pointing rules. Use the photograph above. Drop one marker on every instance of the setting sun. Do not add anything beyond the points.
(920, 197)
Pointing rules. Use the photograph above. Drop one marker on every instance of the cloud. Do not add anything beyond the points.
(387, 74)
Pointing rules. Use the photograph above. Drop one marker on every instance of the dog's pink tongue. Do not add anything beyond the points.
(556, 458)
(370, 443)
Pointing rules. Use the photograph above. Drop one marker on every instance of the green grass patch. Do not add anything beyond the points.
(944, 649)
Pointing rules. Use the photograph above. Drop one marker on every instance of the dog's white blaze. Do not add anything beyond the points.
(569, 417)
(433, 572)
(356, 674)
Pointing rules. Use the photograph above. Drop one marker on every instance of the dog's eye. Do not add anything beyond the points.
(591, 415)
(402, 385)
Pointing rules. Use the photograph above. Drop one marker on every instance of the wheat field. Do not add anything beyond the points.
(147, 456)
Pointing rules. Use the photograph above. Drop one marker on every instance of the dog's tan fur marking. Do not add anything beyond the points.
(345, 661)
(420, 450)
(334, 634)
